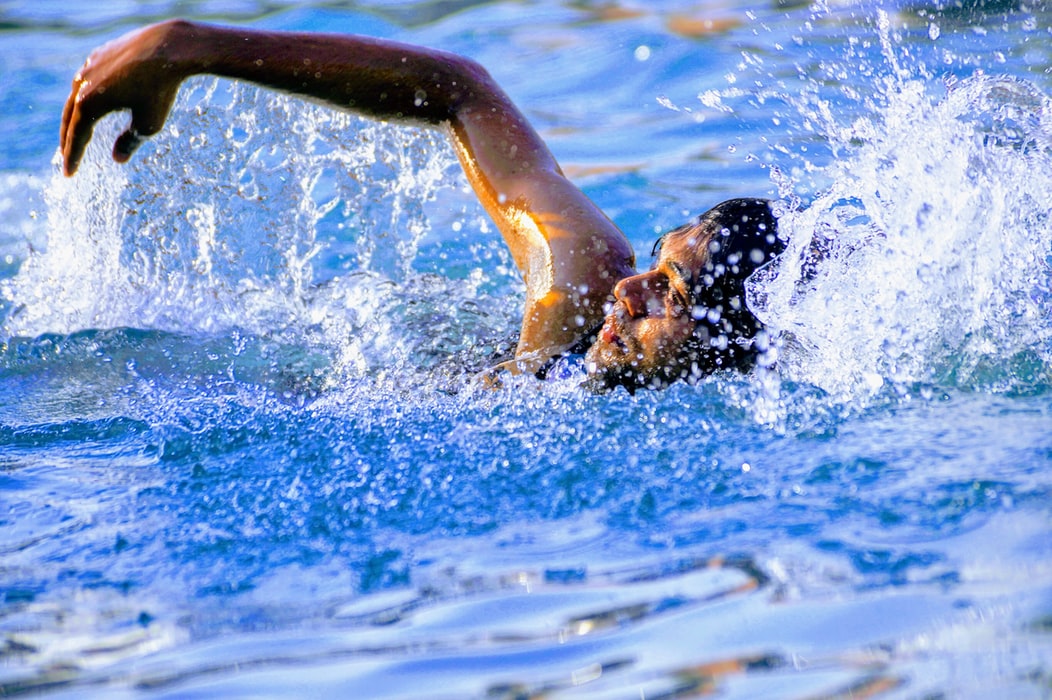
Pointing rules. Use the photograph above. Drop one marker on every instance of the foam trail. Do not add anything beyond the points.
(927, 261)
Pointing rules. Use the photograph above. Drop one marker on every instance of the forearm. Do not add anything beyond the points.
(379, 79)
(376, 78)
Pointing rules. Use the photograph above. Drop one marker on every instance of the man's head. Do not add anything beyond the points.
(686, 316)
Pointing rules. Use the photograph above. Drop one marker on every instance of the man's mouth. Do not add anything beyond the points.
(612, 333)
(612, 336)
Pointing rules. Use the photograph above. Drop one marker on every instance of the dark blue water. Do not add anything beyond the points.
(239, 456)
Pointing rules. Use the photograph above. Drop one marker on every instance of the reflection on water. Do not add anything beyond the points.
(604, 625)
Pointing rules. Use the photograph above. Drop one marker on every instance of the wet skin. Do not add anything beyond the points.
(687, 316)
(644, 335)
(577, 265)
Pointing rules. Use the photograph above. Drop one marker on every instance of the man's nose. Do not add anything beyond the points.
(634, 292)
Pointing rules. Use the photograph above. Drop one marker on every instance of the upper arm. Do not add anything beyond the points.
(569, 253)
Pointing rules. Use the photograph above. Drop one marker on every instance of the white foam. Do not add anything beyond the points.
(927, 260)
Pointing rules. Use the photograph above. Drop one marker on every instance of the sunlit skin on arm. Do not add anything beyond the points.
(681, 320)
(569, 253)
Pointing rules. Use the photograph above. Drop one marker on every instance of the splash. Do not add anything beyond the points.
(228, 203)
(926, 262)
(219, 222)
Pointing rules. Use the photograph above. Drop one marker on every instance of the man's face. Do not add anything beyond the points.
(642, 342)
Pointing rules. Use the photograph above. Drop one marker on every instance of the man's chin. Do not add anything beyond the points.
(604, 376)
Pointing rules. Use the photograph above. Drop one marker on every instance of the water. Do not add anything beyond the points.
(238, 455)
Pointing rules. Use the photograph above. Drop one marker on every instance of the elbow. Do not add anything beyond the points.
(464, 82)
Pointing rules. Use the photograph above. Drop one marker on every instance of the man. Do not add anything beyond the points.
(684, 318)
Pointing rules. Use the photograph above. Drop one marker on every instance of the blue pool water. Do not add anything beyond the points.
(239, 458)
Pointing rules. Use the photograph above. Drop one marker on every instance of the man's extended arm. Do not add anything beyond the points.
(569, 253)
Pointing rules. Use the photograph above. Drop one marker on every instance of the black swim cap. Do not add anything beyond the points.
(740, 236)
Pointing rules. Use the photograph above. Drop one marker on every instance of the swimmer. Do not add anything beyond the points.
(682, 319)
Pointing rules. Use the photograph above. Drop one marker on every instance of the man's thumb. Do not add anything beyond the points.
(126, 144)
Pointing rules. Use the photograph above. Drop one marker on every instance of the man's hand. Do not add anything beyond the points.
(136, 72)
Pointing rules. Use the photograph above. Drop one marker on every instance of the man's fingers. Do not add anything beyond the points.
(70, 121)
(76, 137)
(66, 112)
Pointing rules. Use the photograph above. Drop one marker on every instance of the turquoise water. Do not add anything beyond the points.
(238, 457)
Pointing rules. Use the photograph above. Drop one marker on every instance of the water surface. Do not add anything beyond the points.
(238, 455)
